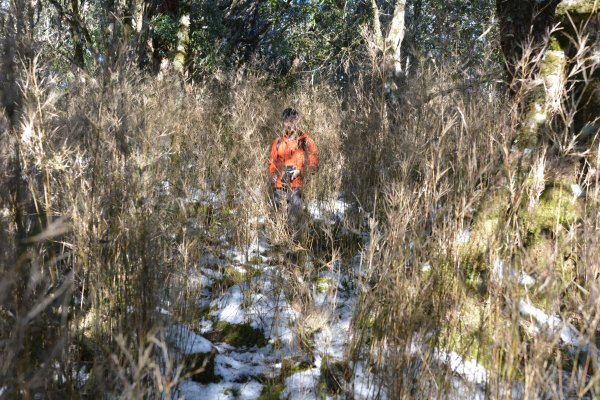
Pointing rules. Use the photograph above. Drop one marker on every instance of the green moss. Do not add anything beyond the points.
(238, 335)
(554, 62)
(534, 118)
(273, 387)
(469, 335)
(577, 9)
(489, 214)
(255, 260)
(554, 44)
(557, 208)
(473, 255)
(290, 367)
(271, 390)
(234, 275)
(324, 284)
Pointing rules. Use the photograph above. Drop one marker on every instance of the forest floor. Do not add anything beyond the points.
(276, 324)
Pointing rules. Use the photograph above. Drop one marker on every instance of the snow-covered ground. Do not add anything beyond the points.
(301, 337)
(266, 301)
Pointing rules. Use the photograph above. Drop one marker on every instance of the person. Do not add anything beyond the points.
(292, 159)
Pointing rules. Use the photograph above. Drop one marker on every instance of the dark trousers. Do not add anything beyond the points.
(293, 199)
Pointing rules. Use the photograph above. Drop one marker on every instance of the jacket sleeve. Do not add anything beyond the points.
(273, 167)
(311, 150)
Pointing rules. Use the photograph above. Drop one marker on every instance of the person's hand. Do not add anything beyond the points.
(295, 174)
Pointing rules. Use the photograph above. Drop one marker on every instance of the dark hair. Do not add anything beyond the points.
(290, 113)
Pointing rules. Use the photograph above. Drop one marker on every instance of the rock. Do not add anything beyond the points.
(201, 366)
(238, 335)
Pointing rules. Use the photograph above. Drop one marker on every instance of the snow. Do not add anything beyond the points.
(463, 236)
(302, 385)
(236, 366)
(468, 370)
(577, 190)
(228, 308)
(500, 271)
(331, 210)
(363, 384)
(550, 324)
(266, 302)
(221, 391)
(187, 341)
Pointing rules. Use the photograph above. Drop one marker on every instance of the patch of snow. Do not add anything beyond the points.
(258, 220)
(302, 385)
(258, 247)
(550, 324)
(577, 190)
(469, 370)
(462, 391)
(228, 308)
(213, 391)
(463, 236)
(206, 325)
(191, 390)
(236, 366)
(525, 279)
(162, 311)
(187, 341)
(327, 209)
(274, 316)
(164, 189)
(500, 271)
(363, 384)
(81, 378)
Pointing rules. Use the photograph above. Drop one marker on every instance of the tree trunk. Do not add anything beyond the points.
(387, 50)
(527, 35)
(183, 39)
(78, 55)
(393, 41)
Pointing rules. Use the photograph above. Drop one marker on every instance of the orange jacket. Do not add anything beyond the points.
(300, 153)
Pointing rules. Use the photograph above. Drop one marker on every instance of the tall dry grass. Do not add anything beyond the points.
(118, 184)
(467, 214)
(126, 181)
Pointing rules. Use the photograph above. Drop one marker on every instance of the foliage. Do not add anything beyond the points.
(164, 28)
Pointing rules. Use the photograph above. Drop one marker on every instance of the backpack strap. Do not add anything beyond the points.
(302, 144)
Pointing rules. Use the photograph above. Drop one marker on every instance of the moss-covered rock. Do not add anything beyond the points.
(470, 333)
(238, 335)
(323, 284)
(577, 9)
(274, 386)
(473, 254)
(557, 208)
(547, 95)
(271, 390)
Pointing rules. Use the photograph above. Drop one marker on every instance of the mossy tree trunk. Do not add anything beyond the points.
(553, 32)
(183, 39)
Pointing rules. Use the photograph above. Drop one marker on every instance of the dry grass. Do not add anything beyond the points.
(94, 243)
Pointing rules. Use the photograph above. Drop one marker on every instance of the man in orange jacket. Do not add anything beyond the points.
(293, 157)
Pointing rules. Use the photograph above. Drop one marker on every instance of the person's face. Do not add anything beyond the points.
(291, 124)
